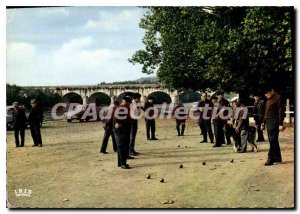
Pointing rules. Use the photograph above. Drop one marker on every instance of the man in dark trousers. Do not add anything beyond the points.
(19, 124)
(35, 120)
(108, 129)
(206, 118)
(220, 122)
(180, 114)
(150, 122)
(259, 113)
(273, 119)
(121, 129)
(241, 127)
(200, 119)
(136, 99)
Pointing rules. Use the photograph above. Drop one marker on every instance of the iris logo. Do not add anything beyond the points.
(23, 192)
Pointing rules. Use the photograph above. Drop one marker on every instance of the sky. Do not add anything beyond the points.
(72, 45)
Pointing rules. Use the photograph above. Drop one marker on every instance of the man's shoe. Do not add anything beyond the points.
(119, 165)
(212, 142)
(216, 145)
(104, 152)
(203, 141)
(154, 138)
(268, 163)
(134, 153)
(21, 145)
(148, 139)
(130, 157)
(125, 166)
(34, 145)
(40, 145)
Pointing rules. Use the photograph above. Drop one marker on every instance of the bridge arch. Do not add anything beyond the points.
(72, 97)
(100, 99)
(126, 93)
(160, 97)
(189, 97)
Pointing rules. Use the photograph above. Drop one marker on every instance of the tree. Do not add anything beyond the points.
(237, 49)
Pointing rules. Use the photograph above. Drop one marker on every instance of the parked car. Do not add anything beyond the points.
(78, 112)
(9, 117)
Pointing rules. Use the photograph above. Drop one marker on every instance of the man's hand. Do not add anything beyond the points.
(281, 128)
(237, 130)
(262, 127)
(117, 125)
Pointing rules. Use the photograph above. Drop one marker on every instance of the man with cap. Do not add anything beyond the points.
(35, 120)
(259, 113)
(150, 122)
(136, 99)
(121, 129)
(108, 129)
(19, 124)
(220, 122)
(273, 119)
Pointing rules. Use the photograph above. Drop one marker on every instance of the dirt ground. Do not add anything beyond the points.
(69, 172)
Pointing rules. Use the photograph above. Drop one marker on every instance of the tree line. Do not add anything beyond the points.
(237, 49)
(45, 98)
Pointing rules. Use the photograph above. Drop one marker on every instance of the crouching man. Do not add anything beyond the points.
(242, 128)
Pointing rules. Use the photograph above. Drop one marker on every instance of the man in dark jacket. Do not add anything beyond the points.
(19, 124)
(35, 120)
(150, 122)
(220, 122)
(108, 129)
(259, 113)
(136, 99)
(206, 119)
(273, 119)
(121, 129)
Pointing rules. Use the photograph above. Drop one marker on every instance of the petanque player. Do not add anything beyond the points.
(121, 128)
(206, 118)
(180, 114)
(150, 122)
(259, 113)
(136, 99)
(273, 120)
(108, 129)
(19, 124)
(35, 120)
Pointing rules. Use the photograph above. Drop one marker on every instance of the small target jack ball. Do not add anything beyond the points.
(148, 176)
(180, 166)
(231, 161)
(203, 163)
(162, 180)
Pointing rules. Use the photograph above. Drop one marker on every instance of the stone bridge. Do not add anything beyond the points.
(90, 93)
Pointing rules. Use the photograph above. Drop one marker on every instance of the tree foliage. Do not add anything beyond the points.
(238, 49)
(16, 93)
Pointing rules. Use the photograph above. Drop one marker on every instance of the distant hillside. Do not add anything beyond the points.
(143, 80)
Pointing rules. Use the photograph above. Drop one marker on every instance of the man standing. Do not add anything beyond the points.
(258, 113)
(108, 129)
(19, 124)
(121, 128)
(180, 114)
(273, 119)
(150, 122)
(200, 119)
(241, 127)
(220, 122)
(136, 99)
(206, 118)
(35, 120)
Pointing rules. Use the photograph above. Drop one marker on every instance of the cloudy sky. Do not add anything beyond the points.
(72, 45)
